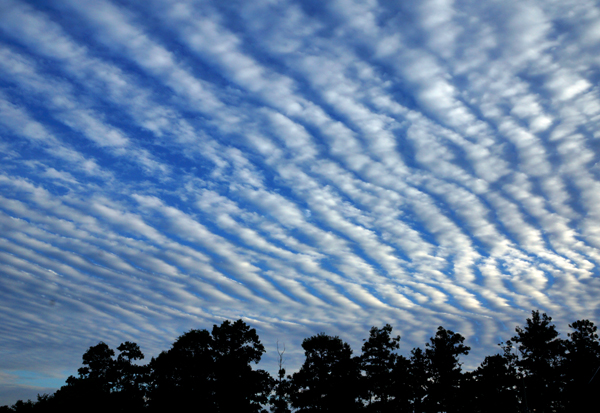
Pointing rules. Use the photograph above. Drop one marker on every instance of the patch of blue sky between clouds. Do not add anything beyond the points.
(33, 379)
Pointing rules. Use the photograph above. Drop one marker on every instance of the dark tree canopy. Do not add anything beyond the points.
(445, 374)
(183, 374)
(378, 360)
(201, 369)
(418, 379)
(105, 383)
(129, 379)
(581, 367)
(212, 372)
(540, 353)
(539, 345)
(329, 378)
(280, 399)
(493, 386)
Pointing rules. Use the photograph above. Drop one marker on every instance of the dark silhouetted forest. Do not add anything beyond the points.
(204, 371)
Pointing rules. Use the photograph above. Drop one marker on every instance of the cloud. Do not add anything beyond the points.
(323, 168)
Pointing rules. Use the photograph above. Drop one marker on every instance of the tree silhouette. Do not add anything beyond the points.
(540, 355)
(493, 386)
(280, 400)
(419, 382)
(98, 361)
(182, 376)
(236, 345)
(402, 385)
(91, 390)
(582, 362)
(442, 353)
(378, 360)
(103, 384)
(20, 407)
(211, 371)
(130, 379)
(328, 380)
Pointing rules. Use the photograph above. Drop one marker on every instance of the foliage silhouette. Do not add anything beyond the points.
(540, 354)
(280, 399)
(581, 366)
(419, 379)
(445, 374)
(493, 386)
(105, 383)
(201, 369)
(212, 372)
(328, 380)
(378, 362)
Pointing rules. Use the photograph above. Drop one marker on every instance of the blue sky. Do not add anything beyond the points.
(306, 166)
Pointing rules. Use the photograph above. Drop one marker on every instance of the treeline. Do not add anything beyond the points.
(206, 371)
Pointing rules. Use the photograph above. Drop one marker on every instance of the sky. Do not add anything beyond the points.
(306, 166)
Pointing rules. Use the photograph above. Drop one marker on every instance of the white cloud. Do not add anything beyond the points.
(347, 164)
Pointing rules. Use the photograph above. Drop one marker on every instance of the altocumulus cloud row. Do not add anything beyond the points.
(306, 167)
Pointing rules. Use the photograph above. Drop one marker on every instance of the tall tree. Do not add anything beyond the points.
(443, 353)
(130, 379)
(402, 385)
(92, 388)
(540, 354)
(280, 400)
(98, 365)
(378, 360)
(329, 378)
(182, 376)
(582, 365)
(419, 382)
(492, 387)
(236, 346)
(104, 384)
(201, 369)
